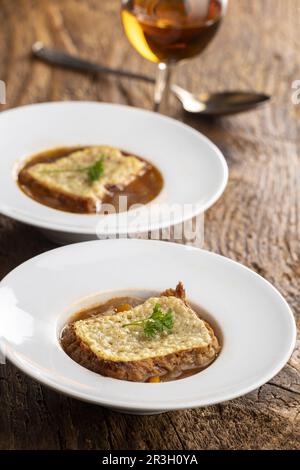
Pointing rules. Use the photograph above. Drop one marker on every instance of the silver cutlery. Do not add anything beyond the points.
(213, 104)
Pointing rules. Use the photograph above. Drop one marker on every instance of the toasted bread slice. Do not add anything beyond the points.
(104, 345)
(58, 178)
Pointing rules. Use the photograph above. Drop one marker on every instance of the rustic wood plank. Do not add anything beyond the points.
(257, 221)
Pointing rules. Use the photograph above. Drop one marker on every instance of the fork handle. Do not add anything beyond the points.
(56, 57)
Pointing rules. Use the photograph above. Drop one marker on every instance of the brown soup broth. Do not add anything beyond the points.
(119, 304)
(140, 191)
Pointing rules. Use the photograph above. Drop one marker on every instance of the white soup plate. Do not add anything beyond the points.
(254, 323)
(194, 170)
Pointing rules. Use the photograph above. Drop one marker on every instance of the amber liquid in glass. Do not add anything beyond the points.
(170, 30)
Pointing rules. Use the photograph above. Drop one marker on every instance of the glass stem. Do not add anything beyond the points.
(162, 87)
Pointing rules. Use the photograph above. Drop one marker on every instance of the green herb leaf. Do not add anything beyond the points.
(151, 329)
(96, 170)
(168, 320)
(157, 313)
(156, 323)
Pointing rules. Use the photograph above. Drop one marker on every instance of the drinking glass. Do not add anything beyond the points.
(168, 31)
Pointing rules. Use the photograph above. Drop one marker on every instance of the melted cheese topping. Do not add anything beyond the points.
(119, 170)
(108, 339)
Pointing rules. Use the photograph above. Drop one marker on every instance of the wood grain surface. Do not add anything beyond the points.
(256, 222)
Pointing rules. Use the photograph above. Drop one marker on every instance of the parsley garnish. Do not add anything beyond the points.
(93, 171)
(96, 170)
(156, 323)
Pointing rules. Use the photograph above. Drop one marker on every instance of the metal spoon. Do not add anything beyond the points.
(213, 104)
(219, 104)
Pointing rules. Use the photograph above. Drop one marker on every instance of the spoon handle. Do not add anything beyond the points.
(56, 57)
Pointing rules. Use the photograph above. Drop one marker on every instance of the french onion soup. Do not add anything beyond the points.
(88, 180)
(158, 339)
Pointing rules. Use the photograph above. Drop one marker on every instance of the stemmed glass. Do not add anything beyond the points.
(168, 31)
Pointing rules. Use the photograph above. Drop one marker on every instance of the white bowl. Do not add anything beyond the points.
(194, 170)
(254, 322)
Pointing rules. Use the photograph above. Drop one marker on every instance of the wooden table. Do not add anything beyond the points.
(256, 222)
